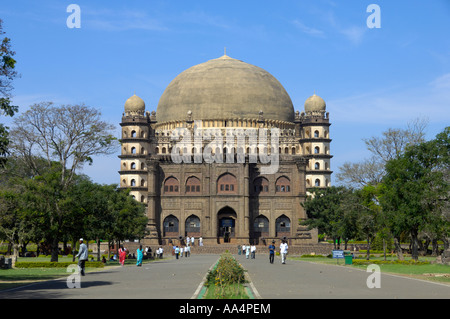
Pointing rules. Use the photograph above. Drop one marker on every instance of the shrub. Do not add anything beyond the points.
(392, 262)
(227, 271)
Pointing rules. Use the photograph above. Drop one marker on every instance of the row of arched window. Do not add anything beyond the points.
(317, 183)
(134, 150)
(249, 150)
(261, 225)
(133, 133)
(317, 166)
(226, 184)
(134, 166)
(316, 134)
(134, 183)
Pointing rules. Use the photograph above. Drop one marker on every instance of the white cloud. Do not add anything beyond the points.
(308, 30)
(387, 105)
(353, 33)
(111, 20)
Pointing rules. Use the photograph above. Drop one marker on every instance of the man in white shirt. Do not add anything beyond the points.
(283, 251)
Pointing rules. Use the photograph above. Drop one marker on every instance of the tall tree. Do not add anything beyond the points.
(7, 74)
(68, 134)
(416, 189)
(390, 145)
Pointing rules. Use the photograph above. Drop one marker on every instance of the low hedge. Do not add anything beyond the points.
(389, 262)
(24, 264)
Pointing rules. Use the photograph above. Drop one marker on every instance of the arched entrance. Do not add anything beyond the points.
(226, 223)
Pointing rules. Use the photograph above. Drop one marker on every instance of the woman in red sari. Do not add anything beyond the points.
(122, 255)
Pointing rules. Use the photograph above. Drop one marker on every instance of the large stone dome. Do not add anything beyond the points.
(225, 88)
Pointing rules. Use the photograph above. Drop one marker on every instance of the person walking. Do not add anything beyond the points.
(253, 251)
(283, 251)
(177, 252)
(122, 255)
(82, 257)
(271, 251)
(140, 255)
(247, 251)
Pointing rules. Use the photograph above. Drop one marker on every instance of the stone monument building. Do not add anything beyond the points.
(225, 156)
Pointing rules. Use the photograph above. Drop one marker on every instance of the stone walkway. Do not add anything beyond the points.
(181, 279)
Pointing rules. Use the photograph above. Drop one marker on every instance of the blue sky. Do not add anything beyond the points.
(371, 79)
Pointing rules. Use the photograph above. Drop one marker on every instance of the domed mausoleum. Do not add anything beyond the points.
(225, 156)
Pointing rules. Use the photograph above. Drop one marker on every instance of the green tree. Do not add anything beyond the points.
(329, 211)
(7, 74)
(415, 188)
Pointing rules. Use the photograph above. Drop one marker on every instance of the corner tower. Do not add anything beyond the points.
(315, 140)
(135, 147)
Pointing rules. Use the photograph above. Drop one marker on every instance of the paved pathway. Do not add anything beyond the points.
(168, 278)
(301, 279)
(181, 279)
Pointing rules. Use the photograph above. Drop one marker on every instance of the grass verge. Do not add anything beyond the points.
(226, 280)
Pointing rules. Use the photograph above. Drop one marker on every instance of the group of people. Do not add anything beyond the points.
(250, 251)
(179, 251)
(190, 241)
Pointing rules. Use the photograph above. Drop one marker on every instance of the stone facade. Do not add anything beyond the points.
(233, 198)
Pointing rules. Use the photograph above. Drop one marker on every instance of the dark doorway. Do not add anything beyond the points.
(226, 224)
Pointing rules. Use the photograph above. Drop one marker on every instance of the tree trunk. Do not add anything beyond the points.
(414, 245)
(55, 250)
(98, 249)
(15, 253)
(434, 247)
(74, 246)
(368, 247)
(398, 248)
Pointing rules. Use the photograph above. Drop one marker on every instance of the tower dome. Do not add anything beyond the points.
(225, 88)
(315, 103)
(135, 104)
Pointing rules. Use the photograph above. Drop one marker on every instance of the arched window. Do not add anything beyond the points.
(133, 133)
(316, 150)
(133, 182)
(142, 182)
(261, 226)
(192, 226)
(260, 185)
(317, 166)
(316, 133)
(170, 225)
(283, 226)
(193, 185)
(317, 183)
(227, 184)
(171, 186)
(133, 165)
(133, 150)
(283, 185)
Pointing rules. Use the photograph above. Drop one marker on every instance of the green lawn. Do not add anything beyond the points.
(10, 278)
(432, 272)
